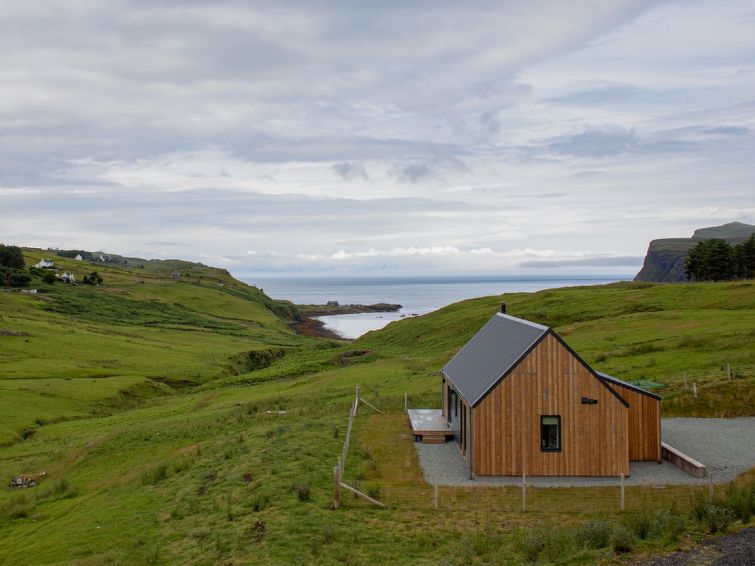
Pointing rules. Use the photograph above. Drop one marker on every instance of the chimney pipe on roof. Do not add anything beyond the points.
(503, 308)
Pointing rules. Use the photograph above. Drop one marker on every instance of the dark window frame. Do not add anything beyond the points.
(558, 433)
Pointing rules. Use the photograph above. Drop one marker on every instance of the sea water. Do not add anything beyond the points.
(417, 295)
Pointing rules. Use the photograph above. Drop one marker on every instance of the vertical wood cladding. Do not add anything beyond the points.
(550, 380)
(644, 424)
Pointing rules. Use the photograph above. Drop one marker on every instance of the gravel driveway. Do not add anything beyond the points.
(725, 446)
(737, 549)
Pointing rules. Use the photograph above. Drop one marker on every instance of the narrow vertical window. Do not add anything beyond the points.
(550, 433)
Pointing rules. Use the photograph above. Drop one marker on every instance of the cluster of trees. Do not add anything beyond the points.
(73, 253)
(46, 275)
(718, 260)
(13, 271)
(93, 278)
(89, 256)
(11, 257)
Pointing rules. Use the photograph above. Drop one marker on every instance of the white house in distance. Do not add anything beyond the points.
(78, 257)
(68, 277)
(45, 263)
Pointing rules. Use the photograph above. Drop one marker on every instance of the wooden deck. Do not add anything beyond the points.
(429, 426)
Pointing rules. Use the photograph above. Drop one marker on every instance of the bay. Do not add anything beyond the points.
(417, 295)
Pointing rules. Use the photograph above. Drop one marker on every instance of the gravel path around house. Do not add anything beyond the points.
(737, 549)
(725, 446)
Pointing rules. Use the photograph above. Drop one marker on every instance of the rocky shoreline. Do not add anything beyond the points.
(333, 308)
(315, 328)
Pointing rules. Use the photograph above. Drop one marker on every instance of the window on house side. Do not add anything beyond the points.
(550, 433)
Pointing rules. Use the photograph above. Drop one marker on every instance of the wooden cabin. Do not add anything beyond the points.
(519, 400)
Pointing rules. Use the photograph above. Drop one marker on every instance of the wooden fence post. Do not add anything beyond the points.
(694, 390)
(728, 371)
(685, 381)
(622, 492)
(710, 485)
(336, 487)
(435, 498)
(524, 493)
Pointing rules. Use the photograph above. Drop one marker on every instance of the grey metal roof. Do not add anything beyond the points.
(490, 354)
(618, 381)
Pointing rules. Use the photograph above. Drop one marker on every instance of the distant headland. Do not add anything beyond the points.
(665, 258)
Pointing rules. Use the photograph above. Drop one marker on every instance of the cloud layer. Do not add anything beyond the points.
(375, 137)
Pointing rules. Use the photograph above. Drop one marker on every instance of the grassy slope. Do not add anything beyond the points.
(208, 474)
(87, 348)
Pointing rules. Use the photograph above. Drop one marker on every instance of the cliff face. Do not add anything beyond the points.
(664, 261)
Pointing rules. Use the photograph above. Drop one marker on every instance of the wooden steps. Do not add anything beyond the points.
(433, 438)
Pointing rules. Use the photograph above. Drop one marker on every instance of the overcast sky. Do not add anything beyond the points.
(395, 137)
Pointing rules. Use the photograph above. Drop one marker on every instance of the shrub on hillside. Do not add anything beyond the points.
(302, 491)
(717, 518)
(155, 475)
(593, 534)
(260, 501)
(641, 524)
(48, 277)
(93, 278)
(13, 277)
(548, 542)
(671, 523)
(741, 501)
(622, 539)
(374, 492)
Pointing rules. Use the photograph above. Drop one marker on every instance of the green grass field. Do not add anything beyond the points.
(154, 408)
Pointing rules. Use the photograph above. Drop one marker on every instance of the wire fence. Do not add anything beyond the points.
(510, 499)
(413, 494)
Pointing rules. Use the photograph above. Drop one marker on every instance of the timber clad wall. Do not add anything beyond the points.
(550, 381)
(644, 424)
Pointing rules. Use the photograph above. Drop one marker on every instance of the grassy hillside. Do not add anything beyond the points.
(160, 446)
(69, 351)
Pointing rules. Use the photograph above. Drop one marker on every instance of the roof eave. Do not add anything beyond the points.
(622, 383)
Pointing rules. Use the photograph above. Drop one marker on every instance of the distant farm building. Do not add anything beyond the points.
(78, 257)
(45, 263)
(518, 400)
(68, 277)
